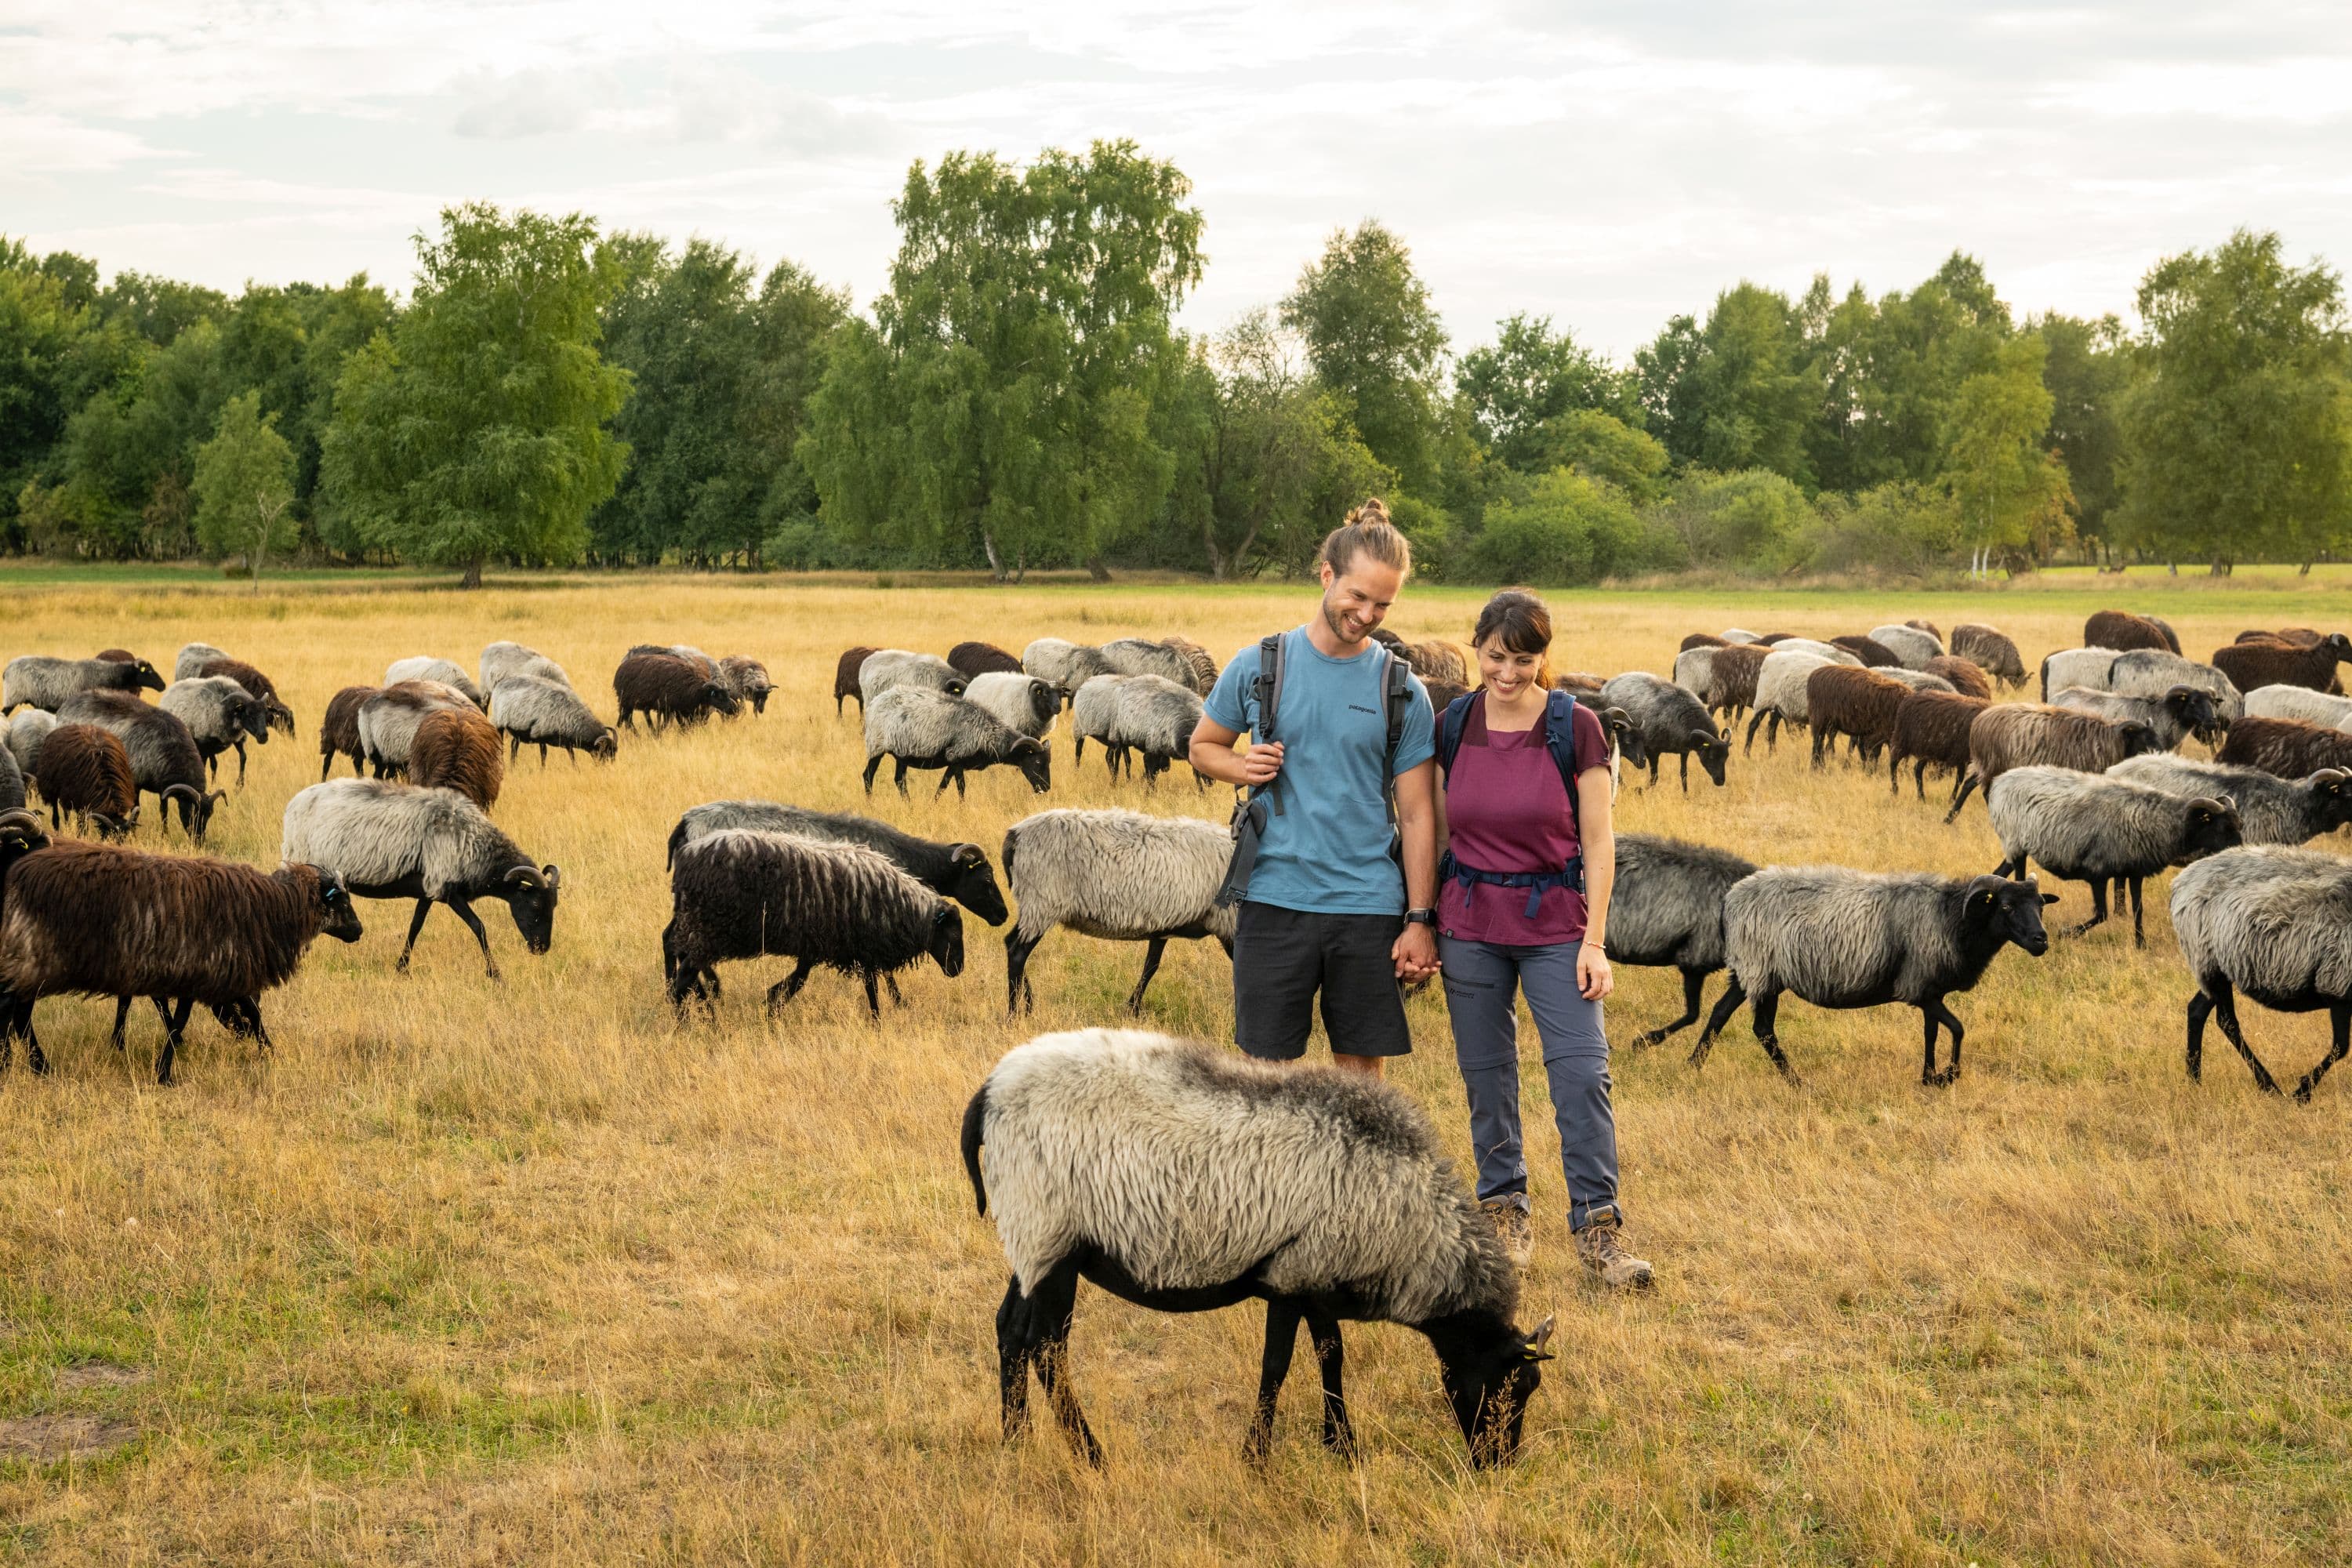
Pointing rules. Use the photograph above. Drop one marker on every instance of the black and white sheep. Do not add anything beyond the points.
(397, 841)
(220, 714)
(2099, 828)
(1840, 938)
(2275, 923)
(1181, 1178)
(2302, 703)
(387, 722)
(446, 671)
(2271, 810)
(1094, 715)
(2151, 672)
(198, 661)
(1909, 644)
(892, 667)
(920, 728)
(1020, 701)
(1117, 875)
(165, 760)
(1668, 909)
(1671, 721)
(532, 711)
(37, 681)
(2174, 717)
(1782, 695)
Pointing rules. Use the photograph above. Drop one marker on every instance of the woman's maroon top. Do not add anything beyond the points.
(1507, 810)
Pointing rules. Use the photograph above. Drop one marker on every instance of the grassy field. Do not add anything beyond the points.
(485, 1274)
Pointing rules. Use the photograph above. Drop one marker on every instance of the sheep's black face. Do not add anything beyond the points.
(2139, 741)
(1712, 751)
(341, 920)
(1036, 764)
(718, 699)
(2213, 827)
(946, 944)
(956, 687)
(280, 717)
(2011, 911)
(1629, 745)
(2340, 645)
(760, 699)
(2194, 710)
(254, 720)
(530, 897)
(606, 746)
(148, 680)
(975, 885)
(1489, 1391)
(2334, 788)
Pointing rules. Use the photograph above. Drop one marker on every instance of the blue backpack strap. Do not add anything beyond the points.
(1450, 725)
(1559, 739)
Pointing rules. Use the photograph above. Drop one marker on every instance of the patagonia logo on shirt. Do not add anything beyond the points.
(1360, 707)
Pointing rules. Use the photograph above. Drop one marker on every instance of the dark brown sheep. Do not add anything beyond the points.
(1991, 649)
(845, 677)
(1768, 638)
(1874, 654)
(88, 774)
(165, 758)
(1703, 639)
(669, 689)
(1928, 627)
(2122, 630)
(281, 717)
(1443, 692)
(457, 750)
(1967, 678)
(2272, 662)
(1931, 730)
(1843, 701)
(1436, 661)
(339, 731)
(2286, 747)
(1735, 670)
(2293, 636)
(97, 921)
(2031, 734)
(1196, 657)
(1581, 684)
(967, 659)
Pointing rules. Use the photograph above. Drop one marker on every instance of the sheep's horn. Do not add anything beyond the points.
(2210, 804)
(554, 878)
(216, 797)
(18, 817)
(172, 792)
(2330, 775)
(528, 876)
(1542, 1334)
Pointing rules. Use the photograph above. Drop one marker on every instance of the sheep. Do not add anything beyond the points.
(1443, 692)
(741, 893)
(1694, 673)
(2287, 747)
(164, 762)
(1780, 694)
(1874, 654)
(845, 677)
(1857, 703)
(12, 782)
(446, 671)
(25, 734)
(532, 711)
(1117, 875)
(1141, 656)
(456, 749)
(1437, 661)
(893, 668)
(1915, 679)
(198, 661)
(1204, 676)
(1668, 909)
(500, 659)
(86, 771)
(1911, 646)
(1733, 675)
(397, 841)
(219, 713)
(1990, 650)
(1840, 938)
(1917, 625)
(1065, 666)
(99, 920)
(2123, 631)
(978, 658)
(2025, 734)
(2150, 672)
(2275, 923)
(1962, 675)
(388, 720)
(2299, 702)
(2180, 713)
(2293, 636)
(2092, 669)
(1155, 717)
(747, 678)
(1181, 1178)
(1020, 701)
(1093, 713)
(39, 681)
(2271, 810)
(190, 661)
(1702, 639)
(1931, 728)
(1829, 651)
(2272, 663)
(958, 871)
(1669, 721)
(669, 689)
(687, 651)
(923, 729)
(339, 730)
(2100, 828)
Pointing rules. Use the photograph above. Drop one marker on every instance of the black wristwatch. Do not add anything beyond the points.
(1421, 916)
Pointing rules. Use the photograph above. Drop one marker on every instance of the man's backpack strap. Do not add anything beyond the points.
(1270, 672)
(1397, 700)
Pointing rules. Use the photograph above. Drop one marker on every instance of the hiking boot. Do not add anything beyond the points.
(1511, 1222)
(1603, 1251)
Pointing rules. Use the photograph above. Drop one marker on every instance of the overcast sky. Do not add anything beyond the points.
(1607, 167)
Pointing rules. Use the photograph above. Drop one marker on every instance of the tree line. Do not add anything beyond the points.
(1019, 397)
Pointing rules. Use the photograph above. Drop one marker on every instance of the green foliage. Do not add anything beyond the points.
(476, 427)
(2087, 372)
(2012, 491)
(1374, 339)
(1753, 521)
(1889, 371)
(1598, 444)
(1520, 386)
(1901, 526)
(1567, 527)
(1737, 393)
(244, 487)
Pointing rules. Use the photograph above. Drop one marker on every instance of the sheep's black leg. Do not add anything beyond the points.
(2339, 1019)
(890, 984)
(465, 912)
(1764, 1017)
(2225, 1008)
(959, 783)
(1894, 772)
(1017, 949)
(1934, 1013)
(1331, 1360)
(1960, 792)
(1282, 1316)
(123, 1018)
(2139, 929)
(1821, 737)
(873, 765)
(1747, 749)
(1685, 756)
(2098, 907)
(1051, 1306)
(873, 1002)
(784, 990)
(1150, 966)
(415, 924)
(1694, 983)
(172, 1031)
(898, 775)
(1920, 780)
(1732, 997)
(2200, 1008)
(514, 748)
(1012, 1359)
(947, 776)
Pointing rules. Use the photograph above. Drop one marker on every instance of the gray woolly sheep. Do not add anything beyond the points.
(1990, 650)
(1840, 938)
(2024, 734)
(397, 841)
(500, 659)
(958, 871)
(2092, 669)
(1156, 716)
(2100, 828)
(219, 713)
(1066, 665)
(533, 712)
(1183, 1178)
(747, 678)
(1694, 673)
(1020, 701)
(1818, 650)
(37, 680)
(2148, 672)
(919, 728)
(1782, 695)
(1908, 644)
(1917, 679)
(190, 661)
(2271, 810)
(2180, 713)
(1093, 713)
(1117, 875)
(165, 760)
(1141, 656)
(741, 893)
(2275, 923)
(2272, 662)
(2302, 703)
(1736, 635)
(25, 733)
(1931, 728)
(446, 671)
(1670, 721)
(893, 668)
(387, 721)
(12, 782)
(1668, 909)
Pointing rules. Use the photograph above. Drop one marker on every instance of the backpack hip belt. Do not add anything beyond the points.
(1570, 875)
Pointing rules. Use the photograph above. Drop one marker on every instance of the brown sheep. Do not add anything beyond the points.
(1203, 668)
(2293, 636)
(2031, 734)
(1843, 701)
(459, 750)
(1967, 678)
(2286, 747)
(845, 677)
(1991, 651)
(2123, 631)
(2275, 663)
(1768, 638)
(1928, 627)
(667, 689)
(339, 731)
(1441, 693)
(1437, 660)
(1735, 670)
(85, 770)
(1931, 728)
(1580, 684)
(1703, 639)
(966, 659)
(1874, 654)
(281, 718)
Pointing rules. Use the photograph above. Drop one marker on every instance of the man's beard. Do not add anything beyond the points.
(1338, 623)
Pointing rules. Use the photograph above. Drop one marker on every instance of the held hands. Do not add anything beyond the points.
(1415, 953)
(1261, 763)
(1593, 980)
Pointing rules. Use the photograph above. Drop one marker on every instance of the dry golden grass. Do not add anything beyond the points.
(530, 1273)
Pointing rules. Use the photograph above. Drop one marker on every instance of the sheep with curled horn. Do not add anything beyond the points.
(447, 672)
(85, 772)
(200, 661)
(2271, 810)
(1670, 721)
(388, 720)
(1667, 911)
(1989, 649)
(2100, 828)
(532, 712)
(165, 760)
(978, 658)
(40, 681)
(1066, 665)
(220, 714)
(2024, 734)
(1181, 1178)
(2274, 924)
(845, 677)
(668, 690)
(396, 841)
(1118, 876)
(919, 728)
(2329, 712)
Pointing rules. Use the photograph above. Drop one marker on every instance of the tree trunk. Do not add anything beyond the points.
(995, 564)
(2220, 568)
(473, 578)
(1209, 548)
(1097, 570)
(2305, 570)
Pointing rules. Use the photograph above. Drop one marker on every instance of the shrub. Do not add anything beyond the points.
(1756, 519)
(1567, 527)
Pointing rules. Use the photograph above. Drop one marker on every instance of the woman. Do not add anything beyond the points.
(1523, 904)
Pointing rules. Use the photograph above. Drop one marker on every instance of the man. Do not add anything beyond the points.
(1328, 910)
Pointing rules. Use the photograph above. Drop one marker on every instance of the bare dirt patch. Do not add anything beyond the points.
(65, 1436)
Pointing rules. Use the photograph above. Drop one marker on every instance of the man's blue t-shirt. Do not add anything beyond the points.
(1326, 852)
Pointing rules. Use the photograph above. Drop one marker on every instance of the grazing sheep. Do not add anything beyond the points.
(2123, 631)
(1670, 721)
(1117, 875)
(923, 729)
(198, 661)
(1441, 693)
(339, 730)
(1874, 654)
(1931, 730)
(978, 658)
(2101, 828)
(1962, 675)
(2275, 923)
(1693, 672)
(703, 662)
(2025, 734)
(1093, 713)
(1020, 701)
(1204, 676)
(1990, 650)
(164, 762)
(1702, 639)
(669, 689)
(97, 921)
(1181, 1178)
(86, 771)
(2180, 713)
(2299, 702)
(2149, 673)
(190, 661)
(39, 681)
(1065, 666)
(12, 782)
(1860, 704)
(1840, 938)
(1435, 660)
(845, 677)
(2293, 636)
(2092, 669)
(958, 871)
(1155, 717)
(25, 733)
(1668, 909)
(532, 712)
(2273, 663)
(893, 668)
(1911, 646)
(2271, 810)
(1733, 675)
(388, 720)
(501, 660)
(1829, 651)
(1142, 656)
(741, 893)
(397, 841)
(456, 749)
(2287, 747)
(1780, 695)
(219, 713)
(747, 678)
(446, 671)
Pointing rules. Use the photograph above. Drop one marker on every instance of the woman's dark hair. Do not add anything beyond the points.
(1520, 619)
